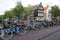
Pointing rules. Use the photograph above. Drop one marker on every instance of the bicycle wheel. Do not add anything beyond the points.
(6, 35)
(36, 26)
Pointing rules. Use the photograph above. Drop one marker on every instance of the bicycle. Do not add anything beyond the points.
(4, 34)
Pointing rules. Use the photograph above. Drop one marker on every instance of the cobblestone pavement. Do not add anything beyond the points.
(33, 34)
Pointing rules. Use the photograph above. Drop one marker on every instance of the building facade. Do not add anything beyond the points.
(39, 12)
(47, 14)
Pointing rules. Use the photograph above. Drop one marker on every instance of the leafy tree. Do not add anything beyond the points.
(55, 11)
(8, 14)
(1, 16)
(28, 10)
(18, 10)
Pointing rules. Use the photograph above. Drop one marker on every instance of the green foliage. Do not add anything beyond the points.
(1, 16)
(8, 14)
(28, 10)
(55, 11)
(18, 10)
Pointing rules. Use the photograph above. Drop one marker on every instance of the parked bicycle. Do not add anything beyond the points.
(4, 34)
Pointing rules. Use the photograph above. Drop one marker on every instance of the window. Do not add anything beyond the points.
(40, 14)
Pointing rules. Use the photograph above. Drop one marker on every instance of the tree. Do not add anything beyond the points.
(1, 16)
(8, 14)
(28, 10)
(55, 11)
(18, 10)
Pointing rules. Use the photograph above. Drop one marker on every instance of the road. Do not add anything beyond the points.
(54, 36)
(39, 34)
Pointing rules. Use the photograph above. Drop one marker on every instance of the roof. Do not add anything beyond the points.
(36, 6)
(45, 8)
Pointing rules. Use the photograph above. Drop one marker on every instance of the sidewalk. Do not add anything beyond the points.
(35, 34)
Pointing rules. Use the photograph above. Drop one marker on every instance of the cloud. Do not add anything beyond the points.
(6, 5)
(45, 2)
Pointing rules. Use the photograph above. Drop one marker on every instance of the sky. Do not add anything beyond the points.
(8, 4)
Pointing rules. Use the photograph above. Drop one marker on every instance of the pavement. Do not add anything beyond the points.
(54, 36)
(33, 35)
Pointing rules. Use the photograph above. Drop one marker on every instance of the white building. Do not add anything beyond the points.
(41, 13)
(48, 15)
